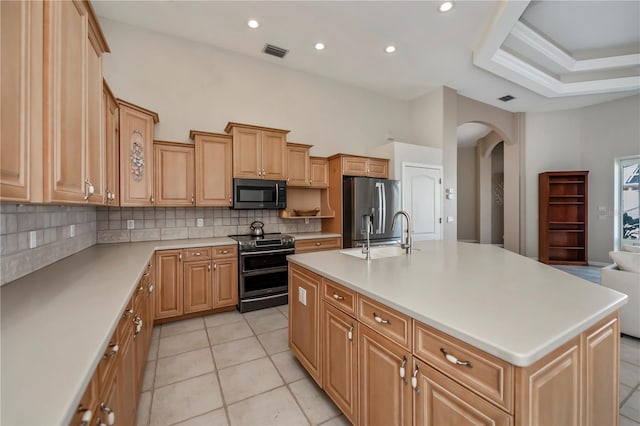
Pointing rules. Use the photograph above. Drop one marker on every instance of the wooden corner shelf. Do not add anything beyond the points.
(563, 221)
(307, 199)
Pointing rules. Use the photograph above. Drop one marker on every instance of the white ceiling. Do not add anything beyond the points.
(433, 49)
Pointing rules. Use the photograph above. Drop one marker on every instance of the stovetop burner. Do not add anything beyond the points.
(268, 241)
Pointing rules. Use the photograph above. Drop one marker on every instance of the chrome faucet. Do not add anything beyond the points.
(407, 244)
(367, 249)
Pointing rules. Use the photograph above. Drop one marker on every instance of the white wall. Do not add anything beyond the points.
(400, 152)
(196, 86)
(582, 139)
(426, 119)
(467, 194)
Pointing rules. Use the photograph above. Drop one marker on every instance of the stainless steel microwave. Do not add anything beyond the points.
(259, 194)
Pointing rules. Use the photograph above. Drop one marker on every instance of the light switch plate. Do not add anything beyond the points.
(131, 224)
(72, 231)
(199, 222)
(302, 296)
(32, 239)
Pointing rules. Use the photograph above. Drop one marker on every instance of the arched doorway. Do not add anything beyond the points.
(480, 177)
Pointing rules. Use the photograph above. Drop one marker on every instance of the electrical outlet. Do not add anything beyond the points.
(131, 224)
(199, 222)
(302, 296)
(32, 239)
(72, 231)
(306, 220)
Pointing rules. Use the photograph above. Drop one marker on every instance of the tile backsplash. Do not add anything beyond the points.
(172, 223)
(52, 232)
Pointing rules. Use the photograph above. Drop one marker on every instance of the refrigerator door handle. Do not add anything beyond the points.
(383, 222)
(379, 186)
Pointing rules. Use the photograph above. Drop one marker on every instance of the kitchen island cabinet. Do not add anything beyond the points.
(436, 354)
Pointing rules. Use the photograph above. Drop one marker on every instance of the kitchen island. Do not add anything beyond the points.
(475, 331)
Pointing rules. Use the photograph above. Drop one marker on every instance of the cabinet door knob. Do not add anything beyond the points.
(86, 416)
(89, 189)
(138, 322)
(180, 257)
(193, 199)
(151, 199)
(111, 416)
(350, 334)
(140, 289)
(209, 267)
(215, 266)
(128, 313)
(402, 372)
(414, 380)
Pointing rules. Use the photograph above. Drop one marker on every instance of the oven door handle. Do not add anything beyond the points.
(263, 271)
(265, 252)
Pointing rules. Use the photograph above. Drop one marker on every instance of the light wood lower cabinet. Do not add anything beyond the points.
(318, 244)
(304, 308)
(195, 280)
(340, 360)
(169, 284)
(385, 397)
(438, 400)
(198, 286)
(431, 378)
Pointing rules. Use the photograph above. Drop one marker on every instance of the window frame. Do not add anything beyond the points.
(618, 188)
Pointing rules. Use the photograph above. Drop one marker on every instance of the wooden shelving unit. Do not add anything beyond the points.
(307, 199)
(563, 224)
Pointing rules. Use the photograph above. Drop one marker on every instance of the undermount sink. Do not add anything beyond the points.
(379, 252)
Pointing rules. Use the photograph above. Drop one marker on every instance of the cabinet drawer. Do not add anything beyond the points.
(225, 252)
(317, 244)
(198, 253)
(484, 374)
(339, 296)
(386, 321)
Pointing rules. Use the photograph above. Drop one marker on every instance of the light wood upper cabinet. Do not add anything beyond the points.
(258, 152)
(136, 154)
(174, 177)
(73, 141)
(378, 167)
(169, 286)
(112, 146)
(364, 166)
(298, 165)
(385, 398)
(214, 168)
(319, 169)
(21, 74)
(304, 341)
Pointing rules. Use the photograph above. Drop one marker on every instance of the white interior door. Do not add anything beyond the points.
(421, 198)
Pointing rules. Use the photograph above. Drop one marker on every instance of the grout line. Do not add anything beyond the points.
(217, 373)
(633, 390)
(630, 419)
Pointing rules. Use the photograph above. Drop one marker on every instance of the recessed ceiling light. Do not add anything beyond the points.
(390, 48)
(445, 6)
(319, 46)
(253, 24)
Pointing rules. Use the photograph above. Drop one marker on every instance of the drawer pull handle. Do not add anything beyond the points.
(318, 244)
(338, 297)
(350, 333)
(138, 322)
(380, 320)
(86, 416)
(114, 350)
(453, 360)
(196, 254)
(224, 251)
(128, 313)
(111, 416)
(150, 288)
(141, 288)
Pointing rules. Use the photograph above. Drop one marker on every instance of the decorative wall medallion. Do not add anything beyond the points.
(137, 155)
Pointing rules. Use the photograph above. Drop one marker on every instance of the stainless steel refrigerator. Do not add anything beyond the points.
(377, 198)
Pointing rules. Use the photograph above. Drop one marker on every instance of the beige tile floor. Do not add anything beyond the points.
(230, 369)
(236, 369)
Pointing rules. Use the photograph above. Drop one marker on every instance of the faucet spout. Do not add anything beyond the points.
(407, 244)
(367, 250)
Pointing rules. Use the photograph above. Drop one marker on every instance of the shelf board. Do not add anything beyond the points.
(566, 196)
(566, 203)
(556, 182)
(566, 223)
(306, 217)
(566, 230)
(565, 248)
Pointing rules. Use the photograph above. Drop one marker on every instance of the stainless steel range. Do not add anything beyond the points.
(263, 270)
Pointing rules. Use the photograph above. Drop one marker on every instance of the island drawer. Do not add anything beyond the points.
(224, 252)
(317, 244)
(197, 253)
(339, 296)
(386, 321)
(480, 372)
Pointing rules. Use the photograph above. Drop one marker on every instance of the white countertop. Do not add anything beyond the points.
(313, 235)
(56, 324)
(505, 304)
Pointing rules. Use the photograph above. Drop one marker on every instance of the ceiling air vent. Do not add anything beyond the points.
(272, 50)
(506, 98)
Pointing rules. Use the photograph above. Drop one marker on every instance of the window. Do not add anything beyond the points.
(628, 200)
